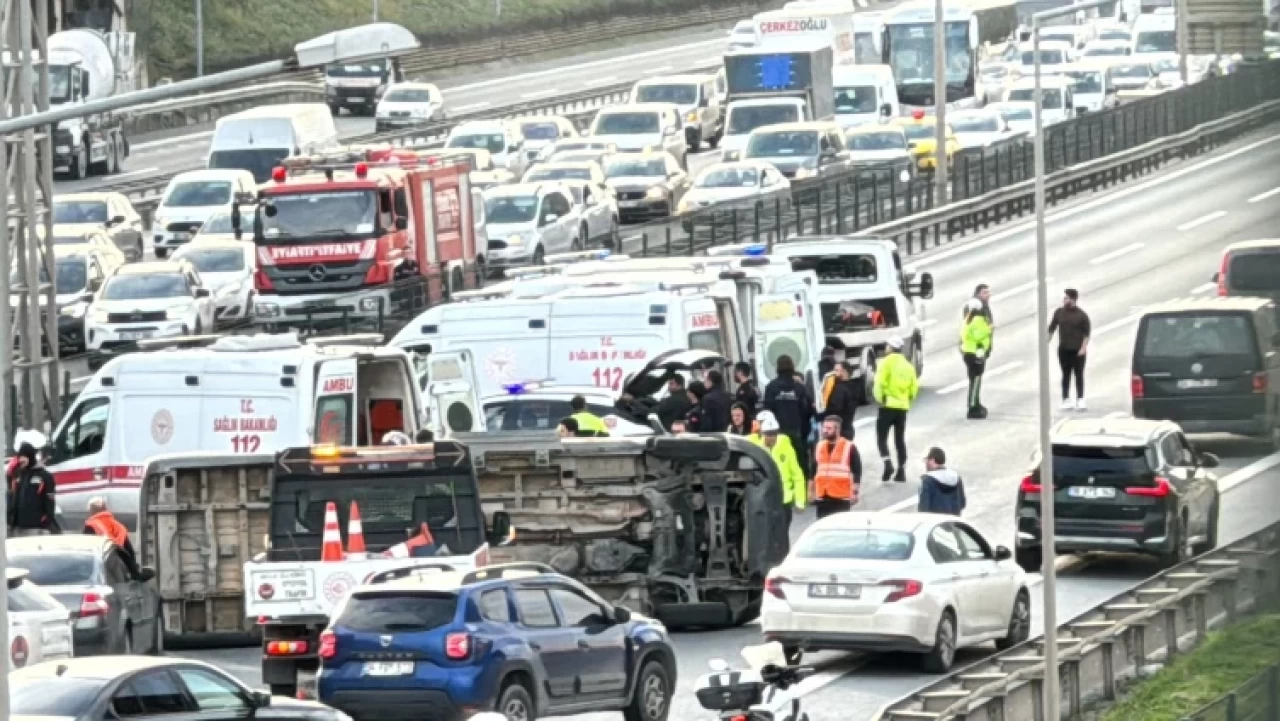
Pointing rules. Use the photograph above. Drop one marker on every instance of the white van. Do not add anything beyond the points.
(502, 138)
(1154, 34)
(1058, 94)
(257, 139)
(239, 394)
(864, 94)
(191, 199)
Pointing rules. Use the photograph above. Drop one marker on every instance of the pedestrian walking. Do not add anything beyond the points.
(975, 345)
(784, 456)
(839, 470)
(896, 388)
(1073, 328)
(787, 398)
(941, 489)
(840, 397)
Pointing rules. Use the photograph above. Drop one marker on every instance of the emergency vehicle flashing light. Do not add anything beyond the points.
(917, 114)
(755, 251)
(327, 450)
(279, 174)
(362, 170)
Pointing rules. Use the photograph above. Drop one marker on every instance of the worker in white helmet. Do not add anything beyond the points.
(771, 438)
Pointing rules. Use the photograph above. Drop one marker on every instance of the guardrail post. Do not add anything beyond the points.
(857, 205)
(817, 208)
(644, 244)
(1138, 644)
(839, 209)
(1273, 692)
(1037, 699)
(777, 219)
(669, 239)
(875, 202)
(1109, 669)
(1170, 616)
(756, 230)
(734, 230)
(1231, 707)
(1075, 697)
(1199, 611)
(1229, 589)
(712, 242)
(893, 195)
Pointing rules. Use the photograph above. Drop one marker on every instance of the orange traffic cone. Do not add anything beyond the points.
(331, 550)
(355, 534)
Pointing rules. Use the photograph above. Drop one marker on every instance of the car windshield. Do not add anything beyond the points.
(862, 544)
(72, 275)
(1114, 35)
(1047, 57)
(493, 142)
(540, 174)
(79, 211)
(745, 119)
(1186, 335)
(408, 95)
(635, 168)
(1137, 71)
(510, 208)
(877, 141)
(626, 123)
(198, 193)
(56, 696)
(533, 414)
(1052, 97)
(151, 285)
(371, 70)
(1105, 465)
(799, 143)
(729, 178)
(676, 94)
(975, 124)
(1106, 51)
(215, 260)
(1255, 272)
(540, 131)
(1086, 82)
(1011, 114)
(855, 99)
(1156, 41)
(838, 269)
(1165, 65)
(308, 215)
(920, 131)
(55, 569)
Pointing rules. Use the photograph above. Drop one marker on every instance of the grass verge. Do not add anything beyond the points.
(1228, 659)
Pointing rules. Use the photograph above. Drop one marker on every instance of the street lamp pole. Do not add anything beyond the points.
(1051, 694)
(199, 38)
(940, 100)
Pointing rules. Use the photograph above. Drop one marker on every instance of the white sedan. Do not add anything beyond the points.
(978, 128)
(226, 268)
(915, 582)
(39, 626)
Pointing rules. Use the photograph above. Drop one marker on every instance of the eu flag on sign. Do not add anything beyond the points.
(775, 72)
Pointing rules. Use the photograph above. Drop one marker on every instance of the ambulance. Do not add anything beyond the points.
(233, 394)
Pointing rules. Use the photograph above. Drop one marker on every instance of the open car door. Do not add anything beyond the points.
(336, 417)
(453, 394)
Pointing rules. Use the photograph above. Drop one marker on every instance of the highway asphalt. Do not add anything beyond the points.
(1124, 249)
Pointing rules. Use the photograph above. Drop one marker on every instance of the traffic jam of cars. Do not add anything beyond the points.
(550, 459)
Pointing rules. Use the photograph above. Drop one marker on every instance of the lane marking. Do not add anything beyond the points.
(1117, 253)
(1263, 196)
(662, 69)
(1258, 467)
(1117, 324)
(961, 385)
(1117, 414)
(579, 66)
(470, 107)
(1095, 203)
(170, 141)
(1019, 289)
(1203, 288)
(540, 93)
(1202, 220)
(143, 171)
(606, 80)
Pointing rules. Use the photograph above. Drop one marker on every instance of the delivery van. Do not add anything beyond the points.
(257, 139)
(864, 94)
(236, 395)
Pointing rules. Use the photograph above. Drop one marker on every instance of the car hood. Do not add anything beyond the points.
(878, 156)
(977, 140)
(1089, 100)
(633, 182)
(788, 163)
(142, 305)
(195, 213)
(704, 196)
(74, 228)
(215, 281)
(390, 107)
(500, 231)
(650, 379)
(632, 142)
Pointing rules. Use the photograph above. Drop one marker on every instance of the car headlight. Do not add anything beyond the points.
(421, 112)
(100, 315)
(803, 173)
(905, 176)
(515, 239)
(656, 193)
(229, 289)
(692, 117)
(74, 310)
(175, 312)
(684, 206)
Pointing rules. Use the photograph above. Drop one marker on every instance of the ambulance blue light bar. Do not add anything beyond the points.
(755, 251)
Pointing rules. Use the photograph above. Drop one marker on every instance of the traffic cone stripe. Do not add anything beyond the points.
(331, 550)
(355, 533)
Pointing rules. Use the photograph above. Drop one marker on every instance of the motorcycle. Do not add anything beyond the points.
(751, 695)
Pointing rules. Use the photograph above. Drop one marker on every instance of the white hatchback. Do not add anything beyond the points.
(39, 626)
(915, 582)
(226, 268)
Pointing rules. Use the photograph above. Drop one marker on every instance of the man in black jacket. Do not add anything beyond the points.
(748, 393)
(843, 401)
(1073, 328)
(715, 405)
(32, 496)
(789, 401)
(941, 489)
(674, 407)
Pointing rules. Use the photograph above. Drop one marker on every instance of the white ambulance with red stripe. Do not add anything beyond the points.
(236, 394)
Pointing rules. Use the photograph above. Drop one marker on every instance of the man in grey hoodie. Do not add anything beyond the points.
(941, 489)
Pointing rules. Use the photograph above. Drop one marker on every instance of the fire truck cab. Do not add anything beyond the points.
(364, 235)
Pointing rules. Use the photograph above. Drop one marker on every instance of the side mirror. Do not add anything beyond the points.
(500, 531)
(925, 288)
(87, 297)
(705, 102)
(669, 130)
(402, 223)
(621, 614)
(117, 220)
(550, 218)
(886, 110)
(1209, 460)
(1003, 554)
(202, 292)
(260, 699)
(94, 285)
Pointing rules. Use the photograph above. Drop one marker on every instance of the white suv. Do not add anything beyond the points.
(643, 126)
(191, 199)
(148, 300)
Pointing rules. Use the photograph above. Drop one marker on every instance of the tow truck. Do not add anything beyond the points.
(361, 236)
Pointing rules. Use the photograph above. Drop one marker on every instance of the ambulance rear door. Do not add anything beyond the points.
(782, 328)
(335, 418)
(453, 393)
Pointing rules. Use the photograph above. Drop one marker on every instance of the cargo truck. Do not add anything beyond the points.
(771, 87)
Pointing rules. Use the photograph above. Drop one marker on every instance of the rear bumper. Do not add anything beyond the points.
(1243, 415)
(432, 693)
(1148, 534)
(399, 705)
(92, 641)
(891, 627)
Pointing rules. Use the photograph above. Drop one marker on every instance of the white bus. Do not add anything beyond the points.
(908, 46)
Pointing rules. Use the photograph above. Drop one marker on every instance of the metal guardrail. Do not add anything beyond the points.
(205, 108)
(1257, 699)
(1111, 643)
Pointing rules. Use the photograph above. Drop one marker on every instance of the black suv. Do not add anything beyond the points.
(1211, 365)
(1124, 485)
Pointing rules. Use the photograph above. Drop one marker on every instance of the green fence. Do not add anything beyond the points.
(1258, 699)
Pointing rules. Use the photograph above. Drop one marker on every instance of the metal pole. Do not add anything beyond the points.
(940, 100)
(1048, 549)
(375, 11)
(1180, 29)
(200, 38)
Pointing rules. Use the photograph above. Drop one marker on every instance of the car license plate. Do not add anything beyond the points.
(134, 334)
(834, 590)
(1198, 383)
(388, 668)
(356, 100)
(1091, 492)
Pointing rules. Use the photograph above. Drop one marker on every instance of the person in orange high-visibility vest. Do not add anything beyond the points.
(839, 470)
(102, 522)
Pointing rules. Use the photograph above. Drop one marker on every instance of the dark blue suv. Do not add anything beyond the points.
(423, 643)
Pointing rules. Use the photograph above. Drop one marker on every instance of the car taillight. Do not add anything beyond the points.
(1260, 382)
(1029, 485)
(19, 652)
(1222, 275)
(93, 604)
(1159, 490)
(328, 644)
(262, 282)
(1137, 388)
(287, 648)
(457, 646)
(773, 586)
(378, 275)
(902, 589)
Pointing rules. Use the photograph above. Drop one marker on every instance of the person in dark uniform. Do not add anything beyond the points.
(748, 393)
(674, 407)
(33, 492)
(715, 404)
(789, 401)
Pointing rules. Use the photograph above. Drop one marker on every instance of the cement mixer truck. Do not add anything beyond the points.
(86, 65)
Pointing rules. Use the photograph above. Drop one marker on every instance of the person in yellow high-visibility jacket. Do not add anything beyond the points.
(975, 346)
(770, 437)
(896, 388)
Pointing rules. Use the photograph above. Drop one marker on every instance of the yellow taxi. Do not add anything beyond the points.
(921, 131)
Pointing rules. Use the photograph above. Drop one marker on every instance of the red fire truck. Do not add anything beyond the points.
(362, 235)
